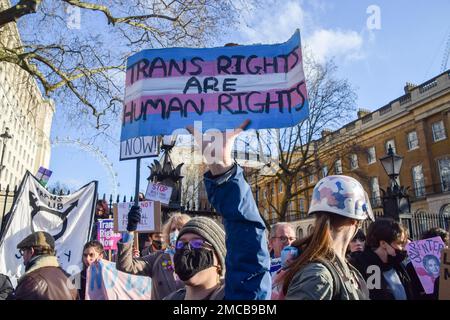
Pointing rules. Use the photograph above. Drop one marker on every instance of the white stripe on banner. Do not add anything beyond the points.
(244, 83)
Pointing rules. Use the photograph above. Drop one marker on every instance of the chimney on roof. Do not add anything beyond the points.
(363, 112)
(326, 132)
(409, 87)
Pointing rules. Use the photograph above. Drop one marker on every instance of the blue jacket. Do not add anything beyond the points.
(247, 262)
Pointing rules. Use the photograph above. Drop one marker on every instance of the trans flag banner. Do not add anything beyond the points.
(170, 89)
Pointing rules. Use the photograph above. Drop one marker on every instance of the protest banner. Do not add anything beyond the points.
(105, 282)
(150, 216)
(158, 192)
(425, 256)
(106, 235)
(169, 89)
(68, 218)
(43, 175)
(444, 278)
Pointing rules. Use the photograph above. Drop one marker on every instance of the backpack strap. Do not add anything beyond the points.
(337, 280)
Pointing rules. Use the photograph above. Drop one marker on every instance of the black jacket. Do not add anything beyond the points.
(363, 260)
(6, 287)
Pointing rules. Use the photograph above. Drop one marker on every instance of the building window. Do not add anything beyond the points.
(324, 171)
(311, 178)
(418, 180)
(374, 189)
(300, 182)
(413, 142)
(338, 166)
(280, 186)
(265, 194)
(302, 205)
(390, 143)
(272, 189)
(353, 161)
(444, 172)
(371, 155)
(438, 131)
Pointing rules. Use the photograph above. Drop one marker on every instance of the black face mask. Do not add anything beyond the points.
(157, 244)
(189, 262)
(400, 255)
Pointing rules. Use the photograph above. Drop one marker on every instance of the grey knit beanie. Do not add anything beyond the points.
(209, 230)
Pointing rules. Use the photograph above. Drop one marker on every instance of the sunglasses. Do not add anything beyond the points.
(193, 244)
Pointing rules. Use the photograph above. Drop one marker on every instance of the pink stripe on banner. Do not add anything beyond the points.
(197, 103)
(209, 68)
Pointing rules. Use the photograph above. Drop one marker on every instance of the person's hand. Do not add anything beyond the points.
(136, 253)
(134, 216)
(222, 161)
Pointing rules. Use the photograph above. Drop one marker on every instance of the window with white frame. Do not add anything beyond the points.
(311, 178)
(300, 181)
(390, 143)
(371, 155)
(338, 166)
(444, 173)
(353, 161)
(324, 171)
(418, 181)
(413, 142)
(438, 131)
(280, 187)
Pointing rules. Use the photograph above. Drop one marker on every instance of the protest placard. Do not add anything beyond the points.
(106, 235)
(150, 216)
(169, 89)
(444, 279)
(43, 175)
(105, 282)
(158, 192)
(425, 256)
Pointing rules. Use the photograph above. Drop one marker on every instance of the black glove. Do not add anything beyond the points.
(134, 216)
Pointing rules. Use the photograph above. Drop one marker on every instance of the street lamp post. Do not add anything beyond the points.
(168, 175)
(395, 198)
(5, 136)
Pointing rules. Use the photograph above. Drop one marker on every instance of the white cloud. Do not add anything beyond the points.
(325, 44)
(272, 23)
(275, 22)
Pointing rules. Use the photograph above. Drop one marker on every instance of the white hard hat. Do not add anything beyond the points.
(342, 195)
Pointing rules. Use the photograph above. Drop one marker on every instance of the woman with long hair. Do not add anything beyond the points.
(321, 271)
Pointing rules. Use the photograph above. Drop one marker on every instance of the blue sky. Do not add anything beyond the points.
(408, 47)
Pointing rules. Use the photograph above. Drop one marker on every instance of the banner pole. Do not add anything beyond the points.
(136, 199)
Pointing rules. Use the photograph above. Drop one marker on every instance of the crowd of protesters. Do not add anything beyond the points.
(200, 259)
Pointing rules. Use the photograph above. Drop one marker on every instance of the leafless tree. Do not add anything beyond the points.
(303, 150)
(76, 50)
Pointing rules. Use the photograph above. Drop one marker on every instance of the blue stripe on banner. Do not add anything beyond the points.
(214, 121)
(208, 54)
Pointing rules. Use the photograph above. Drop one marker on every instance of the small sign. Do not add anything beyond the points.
(150, 216)
(43, 175)
(158, 192)
(425, 256)
(106, 235)
(139, 147)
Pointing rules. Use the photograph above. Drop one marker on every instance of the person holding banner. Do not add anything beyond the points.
(44, 279)
(158, 265)
(247, 263)
(92, 252)
(322, 271)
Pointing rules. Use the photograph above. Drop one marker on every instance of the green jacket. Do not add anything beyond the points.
(315, 281)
